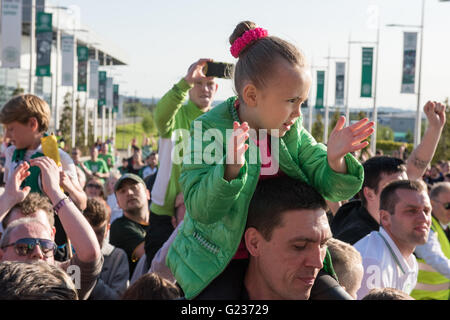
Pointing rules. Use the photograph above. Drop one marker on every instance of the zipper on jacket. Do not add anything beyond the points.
(205, 243)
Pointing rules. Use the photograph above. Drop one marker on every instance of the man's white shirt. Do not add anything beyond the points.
(384, 265)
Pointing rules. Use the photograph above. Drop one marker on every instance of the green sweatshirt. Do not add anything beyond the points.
(170, 115)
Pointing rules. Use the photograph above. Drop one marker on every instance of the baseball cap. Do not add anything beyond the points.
(130, 176)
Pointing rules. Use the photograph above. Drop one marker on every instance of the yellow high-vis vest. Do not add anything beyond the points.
(431, 285)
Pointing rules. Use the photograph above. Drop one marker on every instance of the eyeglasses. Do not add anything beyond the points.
(93, 185)
(26, 246)
(446, 205)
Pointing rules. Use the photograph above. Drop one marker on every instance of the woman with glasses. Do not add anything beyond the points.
(95, 188)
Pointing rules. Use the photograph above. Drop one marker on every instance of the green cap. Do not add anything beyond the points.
(130, 176)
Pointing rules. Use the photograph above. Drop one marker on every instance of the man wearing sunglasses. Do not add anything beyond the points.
(434, 256)
(28, 240)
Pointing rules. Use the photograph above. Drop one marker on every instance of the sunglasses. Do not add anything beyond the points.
(25, 246)
(93, 185)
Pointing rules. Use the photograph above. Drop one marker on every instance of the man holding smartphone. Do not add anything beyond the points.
(171, 114)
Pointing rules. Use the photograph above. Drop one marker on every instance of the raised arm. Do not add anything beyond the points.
(422, 155)
(13, 194)
(75, 225)
(171, 102)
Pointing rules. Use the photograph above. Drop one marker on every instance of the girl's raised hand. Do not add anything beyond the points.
(236, 148)
(344, 140)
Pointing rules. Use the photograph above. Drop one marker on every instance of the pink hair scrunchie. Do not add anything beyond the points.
(243, 41)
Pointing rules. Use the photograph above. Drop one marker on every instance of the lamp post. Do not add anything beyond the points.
(58, 52)
(32, 46)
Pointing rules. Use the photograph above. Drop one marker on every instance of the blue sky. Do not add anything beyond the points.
(162, 38)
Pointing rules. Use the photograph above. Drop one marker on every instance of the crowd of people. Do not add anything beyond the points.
(302, 221)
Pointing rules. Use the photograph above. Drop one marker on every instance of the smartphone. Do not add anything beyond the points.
(218, 69)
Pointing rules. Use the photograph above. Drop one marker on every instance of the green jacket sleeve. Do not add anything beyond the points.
(207, 195)
(332, 185)
(168, 106)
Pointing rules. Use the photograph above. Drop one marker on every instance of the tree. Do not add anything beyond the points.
(65, 124)
(334, 120)
(409, 137)
(147, 123)
(17, 91)
(443, 147)
(385, 133)
(318, 128)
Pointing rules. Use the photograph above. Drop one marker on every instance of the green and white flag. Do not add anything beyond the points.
(11, 33)
(67, 63)
(116, 98)
(101, 89)
(366, 76)
(409, 62)
(44, 38)
(340, 83)
(83, 55)
(320, 89)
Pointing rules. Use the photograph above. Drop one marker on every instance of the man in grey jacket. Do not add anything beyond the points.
(113, 279)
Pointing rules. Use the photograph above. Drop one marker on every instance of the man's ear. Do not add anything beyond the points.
(253, 241)
(147, 192)
(369, 194)
(249, 94)
(385, 219)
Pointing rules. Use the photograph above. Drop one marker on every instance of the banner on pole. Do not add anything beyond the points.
(26, 9)
(409, 62)
(101, 89)
(109, 93)
(44, 38)
(320, 89)
(83, 55)
(116, 98)
(93, 79)
(67, 55)
(11, 35)
(340, 83)
(366, 76)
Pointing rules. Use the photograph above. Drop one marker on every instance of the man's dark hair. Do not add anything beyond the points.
(389, 197)
(274, 196)
(375, 168)
(151, 286)
(97, 212)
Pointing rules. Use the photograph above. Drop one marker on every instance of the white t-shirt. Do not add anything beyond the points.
(384, 265)
(66, 161)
